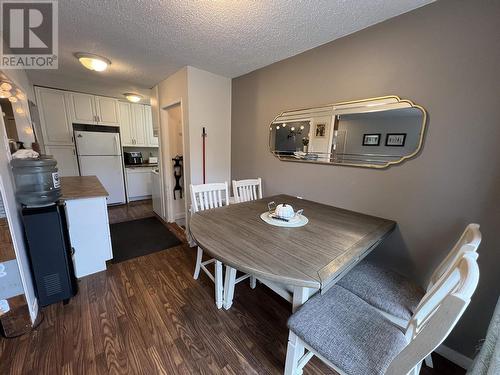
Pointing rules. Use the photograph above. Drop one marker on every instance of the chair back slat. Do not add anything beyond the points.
(469, 241)
(247, 190)
(438, 312)
(208, 196)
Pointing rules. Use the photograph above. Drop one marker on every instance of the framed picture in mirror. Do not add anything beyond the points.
(395, 139)
(371, 139)
(320, 130)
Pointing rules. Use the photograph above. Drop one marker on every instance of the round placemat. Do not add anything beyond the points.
(300, 222)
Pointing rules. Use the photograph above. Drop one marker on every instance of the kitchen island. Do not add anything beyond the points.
(88, 223)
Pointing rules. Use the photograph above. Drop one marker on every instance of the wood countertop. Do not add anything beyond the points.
(80, 187)
(314, 255)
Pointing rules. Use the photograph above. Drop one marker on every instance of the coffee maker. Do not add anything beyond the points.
(133, 158)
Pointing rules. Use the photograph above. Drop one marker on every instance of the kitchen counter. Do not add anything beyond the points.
(80, 187)
(151, 165)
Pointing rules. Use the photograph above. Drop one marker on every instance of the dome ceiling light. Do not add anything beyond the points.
(131, 97)
(93, 62)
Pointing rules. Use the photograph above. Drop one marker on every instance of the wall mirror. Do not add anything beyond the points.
(16, 116)
(372, 133)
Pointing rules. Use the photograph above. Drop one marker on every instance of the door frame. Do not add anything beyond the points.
(164, 148)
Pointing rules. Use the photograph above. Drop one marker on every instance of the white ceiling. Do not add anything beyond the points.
(147, 40)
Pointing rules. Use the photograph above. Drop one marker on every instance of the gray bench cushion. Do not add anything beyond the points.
(384, 289)
(348, 332)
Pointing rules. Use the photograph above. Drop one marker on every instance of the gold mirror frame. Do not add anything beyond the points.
(378, 104)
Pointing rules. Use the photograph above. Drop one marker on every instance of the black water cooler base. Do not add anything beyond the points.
(50, 253)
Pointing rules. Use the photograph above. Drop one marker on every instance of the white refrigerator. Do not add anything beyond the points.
(99, 154)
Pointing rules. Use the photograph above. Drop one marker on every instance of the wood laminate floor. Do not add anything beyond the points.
(148, 316)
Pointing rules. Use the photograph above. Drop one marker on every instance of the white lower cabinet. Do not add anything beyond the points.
(88, 227)
(67, 163)
(139, 185)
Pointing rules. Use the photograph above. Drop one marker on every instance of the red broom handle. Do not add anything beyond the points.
(204, 135)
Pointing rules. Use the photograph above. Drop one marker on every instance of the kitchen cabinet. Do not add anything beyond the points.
(139, 183)
(107, 111)
(139, 123)
(67, 162)
(92, 109)
(136, 125)
(148, 116)
(82, 108)
(127, 132)
(55, 120)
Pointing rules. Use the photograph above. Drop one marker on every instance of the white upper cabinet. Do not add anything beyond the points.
(83, 108)
(152, 140)
(107, 111)
(94, 110)
(138, 120)
(127, 132)
(136, 125)
(54, 117)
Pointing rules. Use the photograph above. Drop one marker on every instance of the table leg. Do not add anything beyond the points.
(295, 349)
(229, 283)
(219, 292)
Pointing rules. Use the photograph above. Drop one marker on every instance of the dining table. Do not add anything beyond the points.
(295, 262)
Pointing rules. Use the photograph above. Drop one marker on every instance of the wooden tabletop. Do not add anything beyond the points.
(79, 187)
(310, 256)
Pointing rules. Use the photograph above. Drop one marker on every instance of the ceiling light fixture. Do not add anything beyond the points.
(6, 86)
(93, 62)
(5, 94)
(131, 97)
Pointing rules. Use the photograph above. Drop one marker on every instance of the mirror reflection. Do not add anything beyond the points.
(15, 113)
(369, 133)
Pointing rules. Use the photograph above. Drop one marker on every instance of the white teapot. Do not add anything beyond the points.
(285, 211)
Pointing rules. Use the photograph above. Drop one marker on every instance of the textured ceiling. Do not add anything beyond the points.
(147, 40)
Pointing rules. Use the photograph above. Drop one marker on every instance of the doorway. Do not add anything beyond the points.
(172, 164)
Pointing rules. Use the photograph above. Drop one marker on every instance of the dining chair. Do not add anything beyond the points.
(396, 296)
(244, 191)
(354, 338)
(393, 294)
(204, 197)
(247, 190)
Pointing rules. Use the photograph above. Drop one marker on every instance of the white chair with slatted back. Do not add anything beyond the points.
(204, 197)
(395, 296)
(352, 337)
(247, 190)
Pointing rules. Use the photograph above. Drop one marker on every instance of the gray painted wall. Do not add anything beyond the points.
(445, 57)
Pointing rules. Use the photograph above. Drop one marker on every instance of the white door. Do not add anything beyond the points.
(107, 111)
(148, 119)
(109, 170)
(139, 124)
(54, 117)
(83, 109)
(97, 143)
(67, 163)
(156, 193)
(126, 129)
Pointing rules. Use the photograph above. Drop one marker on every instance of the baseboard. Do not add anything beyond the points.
(454, 356)
(34, 310)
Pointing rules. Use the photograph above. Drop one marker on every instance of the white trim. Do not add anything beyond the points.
(454, 356)
(34, 310)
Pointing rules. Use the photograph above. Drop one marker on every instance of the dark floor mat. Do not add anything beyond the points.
(132, 239)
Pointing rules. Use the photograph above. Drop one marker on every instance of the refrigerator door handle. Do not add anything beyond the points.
(117, 149)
